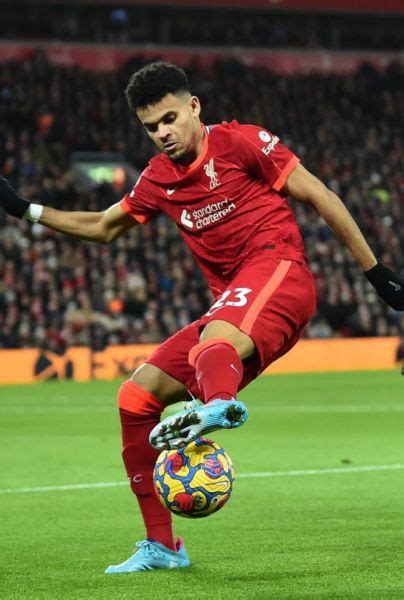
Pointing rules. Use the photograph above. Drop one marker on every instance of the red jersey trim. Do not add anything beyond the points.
(280, 182)
(125, 206)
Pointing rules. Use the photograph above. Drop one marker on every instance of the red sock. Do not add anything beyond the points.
(218, 368)
(140, 412)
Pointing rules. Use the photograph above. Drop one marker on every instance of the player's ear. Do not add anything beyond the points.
(194, 106)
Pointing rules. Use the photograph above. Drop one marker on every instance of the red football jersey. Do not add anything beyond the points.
(228, 204)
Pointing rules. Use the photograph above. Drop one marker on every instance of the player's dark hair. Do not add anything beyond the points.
(154, 81)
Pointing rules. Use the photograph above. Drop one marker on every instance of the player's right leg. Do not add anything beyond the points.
(141, 401)
(163, 380)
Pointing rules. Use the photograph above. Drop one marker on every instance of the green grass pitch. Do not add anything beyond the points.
(304, 520)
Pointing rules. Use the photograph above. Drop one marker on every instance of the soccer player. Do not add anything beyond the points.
(225, 186)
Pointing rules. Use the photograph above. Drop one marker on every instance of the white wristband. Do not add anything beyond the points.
(33, 212)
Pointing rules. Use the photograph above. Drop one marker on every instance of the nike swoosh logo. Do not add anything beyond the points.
(395, 285)
(170, 191)
(234, 369)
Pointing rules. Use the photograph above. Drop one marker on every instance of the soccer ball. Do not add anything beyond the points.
(194, 481)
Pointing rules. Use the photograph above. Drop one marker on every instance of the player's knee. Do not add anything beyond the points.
(158, 383)
(147, 377)
(136, 400)
(222, 331)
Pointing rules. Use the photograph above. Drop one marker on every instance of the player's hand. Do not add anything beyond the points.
(388, 285)
(10, 201)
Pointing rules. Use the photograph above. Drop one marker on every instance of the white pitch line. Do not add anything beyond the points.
(321, 471)
(111, 484)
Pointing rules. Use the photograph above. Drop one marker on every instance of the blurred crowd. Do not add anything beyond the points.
(212, 26)
(56, 291)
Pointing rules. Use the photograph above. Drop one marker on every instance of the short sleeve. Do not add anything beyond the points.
(139, 202)
(263, 154)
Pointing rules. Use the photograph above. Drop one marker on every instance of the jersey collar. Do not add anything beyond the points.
(199, 159)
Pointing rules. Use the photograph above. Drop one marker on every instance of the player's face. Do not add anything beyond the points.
(173, 125)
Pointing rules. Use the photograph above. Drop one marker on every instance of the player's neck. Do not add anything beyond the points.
(200, 140)
(200, 135)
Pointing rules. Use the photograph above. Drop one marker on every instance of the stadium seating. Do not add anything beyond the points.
(181, 25)
(56, 291)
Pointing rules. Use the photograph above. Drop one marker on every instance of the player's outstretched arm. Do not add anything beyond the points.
(305, 187)
(102, 227)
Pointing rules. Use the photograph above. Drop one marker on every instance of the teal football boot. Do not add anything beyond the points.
(151, 555)
(196, 421)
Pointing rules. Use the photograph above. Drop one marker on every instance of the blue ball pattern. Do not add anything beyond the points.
(194, 481)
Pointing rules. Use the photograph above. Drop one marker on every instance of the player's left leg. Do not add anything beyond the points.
(217, 360)
(257, 319)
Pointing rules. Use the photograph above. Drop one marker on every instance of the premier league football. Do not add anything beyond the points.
(194, 481)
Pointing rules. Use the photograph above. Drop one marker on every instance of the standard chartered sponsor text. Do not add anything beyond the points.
(212, 213)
